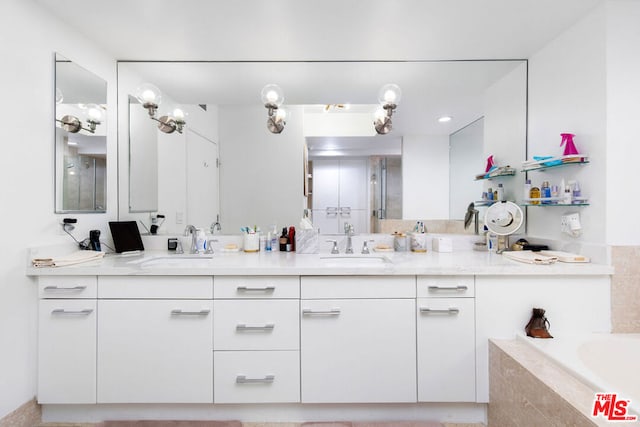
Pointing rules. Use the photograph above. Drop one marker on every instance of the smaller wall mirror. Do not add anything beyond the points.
(80, 139)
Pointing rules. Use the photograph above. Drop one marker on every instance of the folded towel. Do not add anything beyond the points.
(530, 257)
(71, 259)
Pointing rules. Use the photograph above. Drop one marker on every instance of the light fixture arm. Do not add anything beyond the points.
(74, 125)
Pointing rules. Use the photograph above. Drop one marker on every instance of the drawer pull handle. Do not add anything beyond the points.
(459, 288)
(180, 312)
(267, 289)
(267, 328)
(78, 288)
(63, 312)
(267, 379)
(450, 310)
(331, 312)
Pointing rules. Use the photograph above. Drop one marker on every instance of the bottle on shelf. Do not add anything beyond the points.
(527, 189)
(535, 194)
(500, 193)
(545, 192)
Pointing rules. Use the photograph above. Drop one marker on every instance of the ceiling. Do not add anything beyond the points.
(319, 30)
(338, 46)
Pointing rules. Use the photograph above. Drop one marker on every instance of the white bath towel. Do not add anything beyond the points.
(70, 259)
(530, 257)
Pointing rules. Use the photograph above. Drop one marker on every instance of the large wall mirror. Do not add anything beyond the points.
(423, 169)
(80, 139)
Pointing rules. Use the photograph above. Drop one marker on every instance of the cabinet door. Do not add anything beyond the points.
(67, 351)
(326, 176)
(155, 351)
(446, 350)
(359, 350)
(353, 184)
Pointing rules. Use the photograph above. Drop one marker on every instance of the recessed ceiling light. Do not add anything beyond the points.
(444, 119)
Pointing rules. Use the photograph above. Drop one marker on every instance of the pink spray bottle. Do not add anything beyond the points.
(569, 146)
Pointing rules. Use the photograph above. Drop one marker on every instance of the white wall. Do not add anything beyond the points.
(505, 128)
(623, 122)
(261, 174)
(28, 39)
(425, 177)
(465, 151)
(567, 93)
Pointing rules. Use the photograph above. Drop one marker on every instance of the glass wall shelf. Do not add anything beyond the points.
(506, 172)
(554, 201)
(543, 166)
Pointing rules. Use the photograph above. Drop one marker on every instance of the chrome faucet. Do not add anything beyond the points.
(190, 229)
(348, 230)
(215, 226)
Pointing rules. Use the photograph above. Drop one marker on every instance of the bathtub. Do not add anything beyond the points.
(608, 363)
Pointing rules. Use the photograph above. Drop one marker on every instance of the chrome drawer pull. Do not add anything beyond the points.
(460, 288)
(78, 288)
(264, 289)
(331, 312)
(63, 312)
(180, 312)
(267, 328)
(451, 310)
(242, 379)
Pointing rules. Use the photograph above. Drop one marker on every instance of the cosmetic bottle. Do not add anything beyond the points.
(490, 193)
(527, 190)
(500, 193)
(566, 197)
(534, 194)
(555, 194)
(283, 240)
(545, 192)
(576, 193)
(201, 240)
(291, 239)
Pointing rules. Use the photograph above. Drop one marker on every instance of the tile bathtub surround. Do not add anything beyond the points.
(625, 289)
(528, 390)
(29, 414)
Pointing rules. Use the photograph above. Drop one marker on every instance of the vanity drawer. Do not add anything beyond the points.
(324, 287)
(446, 286)
(256, 376)
(256, 325)
(254, 287)
(67, 287)
(155, 287)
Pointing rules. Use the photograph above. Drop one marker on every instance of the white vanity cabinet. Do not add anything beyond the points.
(155, 339)
(67, 339)
(446, 339)
(358, 339)
(256, 339)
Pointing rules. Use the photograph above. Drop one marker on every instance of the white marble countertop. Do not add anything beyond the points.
(277, 263)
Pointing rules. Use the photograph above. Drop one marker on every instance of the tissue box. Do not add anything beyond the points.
(307, 242)
(442, 244)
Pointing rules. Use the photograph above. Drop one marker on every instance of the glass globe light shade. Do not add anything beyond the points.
(179, 114)
(281, 115)
(379, 115)
(59, 96)
(94, 113)
(389, 94)
(272, 95)
(147, 93)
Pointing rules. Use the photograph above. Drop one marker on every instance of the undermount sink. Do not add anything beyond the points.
(356, 260)
(178, 260)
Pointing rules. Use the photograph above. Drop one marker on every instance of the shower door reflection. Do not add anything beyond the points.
(84, 175)
(386, 187)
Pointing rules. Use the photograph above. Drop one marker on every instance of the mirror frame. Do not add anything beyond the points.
(58, 206)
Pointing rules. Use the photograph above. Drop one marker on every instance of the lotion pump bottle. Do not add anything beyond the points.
(527, 190)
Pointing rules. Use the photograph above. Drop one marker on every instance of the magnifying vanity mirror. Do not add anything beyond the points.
(422, 169)
(80, 139)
